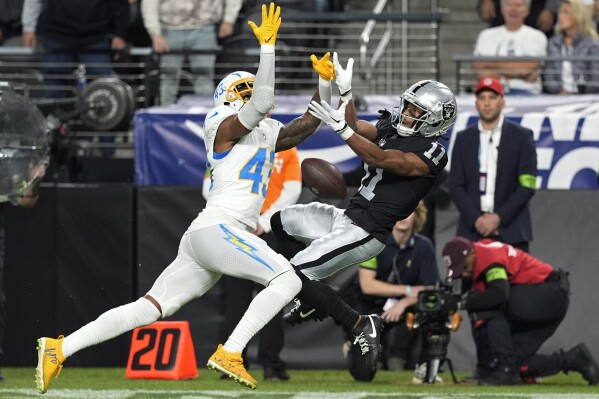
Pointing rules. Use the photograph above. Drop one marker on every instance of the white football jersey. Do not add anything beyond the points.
(238, 178)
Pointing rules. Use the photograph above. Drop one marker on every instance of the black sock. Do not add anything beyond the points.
(324, 299)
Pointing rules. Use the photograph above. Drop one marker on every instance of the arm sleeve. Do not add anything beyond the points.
(231, 12)
(526, 185)
(149, 14)
(263, 92)
(30, 14)
(325, 89)
(496, 294)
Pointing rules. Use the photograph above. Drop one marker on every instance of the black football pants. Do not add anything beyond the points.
(514, 335)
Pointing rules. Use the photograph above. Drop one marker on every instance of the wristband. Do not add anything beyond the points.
(408, 290)
(346, 96)
(345, 132)
(267, 49)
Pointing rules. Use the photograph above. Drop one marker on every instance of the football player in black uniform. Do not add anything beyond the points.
(402, 159)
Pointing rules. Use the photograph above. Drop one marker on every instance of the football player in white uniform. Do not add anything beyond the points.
(240, 143)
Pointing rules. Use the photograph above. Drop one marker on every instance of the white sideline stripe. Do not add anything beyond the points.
(189, 394)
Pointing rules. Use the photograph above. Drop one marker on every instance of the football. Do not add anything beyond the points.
(323, 179)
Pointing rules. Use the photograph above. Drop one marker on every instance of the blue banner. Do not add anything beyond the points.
(169, 145)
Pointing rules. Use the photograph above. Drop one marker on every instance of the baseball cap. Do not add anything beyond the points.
(454, 255)
(489, 84)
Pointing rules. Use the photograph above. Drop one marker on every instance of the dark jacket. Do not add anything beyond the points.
(587, 70)
(78, 23)
(516, 164)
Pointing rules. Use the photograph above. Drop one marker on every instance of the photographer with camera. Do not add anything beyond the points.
(515, 303)
(388, 285)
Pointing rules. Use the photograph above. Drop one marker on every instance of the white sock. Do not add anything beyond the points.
(111, 324)
(262, 309)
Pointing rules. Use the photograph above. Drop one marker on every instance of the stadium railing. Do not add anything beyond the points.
(466, 76)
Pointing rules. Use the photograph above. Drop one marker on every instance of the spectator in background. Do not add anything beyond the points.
(188, 25)
(575, 37)
(75, 31)
(284, 189)
(513, 39)
(516, 302)
(493, 173)
(541, 15)
(10, 19)
(388, 285)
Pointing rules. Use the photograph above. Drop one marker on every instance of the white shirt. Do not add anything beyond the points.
(240, 177)
(526, 41)
(488, 151)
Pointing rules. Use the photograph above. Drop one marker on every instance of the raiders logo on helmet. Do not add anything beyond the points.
(448, 111)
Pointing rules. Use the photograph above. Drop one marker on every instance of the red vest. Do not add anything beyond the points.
(521, 267)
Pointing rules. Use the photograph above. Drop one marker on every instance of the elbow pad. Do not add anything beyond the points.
(256, 109)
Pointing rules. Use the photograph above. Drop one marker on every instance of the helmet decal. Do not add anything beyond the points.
(234, 90)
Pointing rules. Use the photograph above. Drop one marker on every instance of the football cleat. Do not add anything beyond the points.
(231, 364)
(300, 313)
(367, 335)
(49, 361)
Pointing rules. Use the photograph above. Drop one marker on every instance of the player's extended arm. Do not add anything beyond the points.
(305, 125)
(343, 78)
(255, 110)
(394, 161)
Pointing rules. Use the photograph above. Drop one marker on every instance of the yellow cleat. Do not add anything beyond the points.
(49, 361)
(231, 364)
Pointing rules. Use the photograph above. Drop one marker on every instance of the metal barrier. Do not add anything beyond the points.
(407, 51)
(466, 76)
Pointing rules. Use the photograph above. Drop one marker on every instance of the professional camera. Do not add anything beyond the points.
(436, 315)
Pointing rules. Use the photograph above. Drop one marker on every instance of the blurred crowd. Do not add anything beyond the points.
(566, 30)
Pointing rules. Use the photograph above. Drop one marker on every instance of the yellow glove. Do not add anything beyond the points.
(271, 21)
(323, 66)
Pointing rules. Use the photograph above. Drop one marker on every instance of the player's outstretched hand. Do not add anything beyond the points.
(266, 33)
(343, 77)
(335, 118)
(323, 66)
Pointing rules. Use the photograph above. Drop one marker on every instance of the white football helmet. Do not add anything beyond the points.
(437, 103)
(234, 90)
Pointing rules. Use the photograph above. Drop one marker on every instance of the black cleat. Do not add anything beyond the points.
(502, 376)
(580, 359)
(300, 313)
(368, 336)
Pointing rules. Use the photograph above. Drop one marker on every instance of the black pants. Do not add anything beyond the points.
(513, 335)
(238, 295)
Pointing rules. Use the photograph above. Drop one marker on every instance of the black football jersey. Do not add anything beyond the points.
(384, 197)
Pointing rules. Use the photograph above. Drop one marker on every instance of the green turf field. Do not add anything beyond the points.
(110, 383)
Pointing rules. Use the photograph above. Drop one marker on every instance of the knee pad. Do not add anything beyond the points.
(287, 285)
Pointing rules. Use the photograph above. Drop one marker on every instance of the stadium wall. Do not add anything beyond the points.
(85, 249)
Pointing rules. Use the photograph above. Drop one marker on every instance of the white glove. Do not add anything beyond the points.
(335, 118)
(343, 77)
